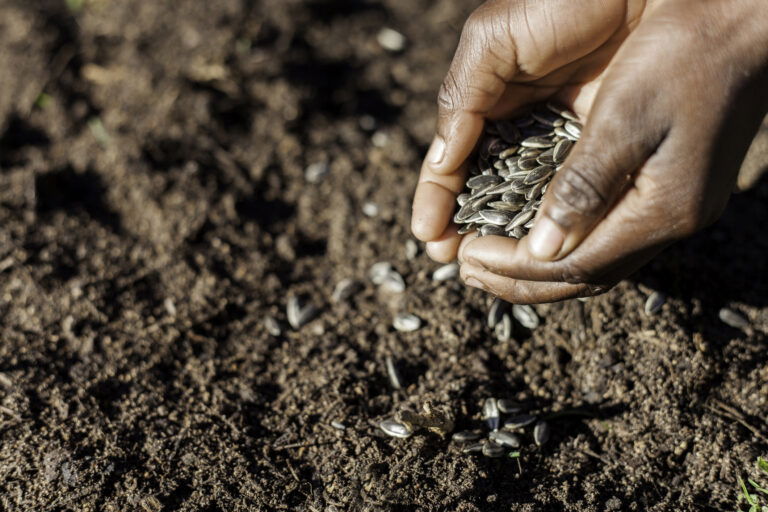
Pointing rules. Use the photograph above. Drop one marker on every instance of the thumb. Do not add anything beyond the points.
(622, 132)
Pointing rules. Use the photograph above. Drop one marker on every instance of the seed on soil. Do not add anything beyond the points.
(503, 329)
(391, 39)
(541, 432)
(491, 413)
(508, 406)
(496, 311)
(378, 271)
(465, 436)
(395, 429)
(314, 173)
(393, 282)
(491, 449)
(370, 209)
(394, 375)
(338, 425)
(344, 289)
(411, 249)
(299, 314)
(473, 448)
(446, 272)
(733, 319)
(520, 421)
(654, 303)
(406, 322)
(526, 315)
(272, 326)
(507, 439)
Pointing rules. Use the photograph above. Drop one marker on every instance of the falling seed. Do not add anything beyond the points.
(446, 272)
(473, 448)
(338, 425)
(272, 326)
(520, 421)
(391, 40)
(526, 315)
(393, 282)
(393, 374)
(395, 429)
(406, 322)
(495, 313)
(314, 173)
(508, 406)
(654, 303)
(541, 432)
(465, 436)
(492, 449)
(411, 249)
(344, 289)
(733, 319)
(503, 329)
(491, 413)
(505, 439)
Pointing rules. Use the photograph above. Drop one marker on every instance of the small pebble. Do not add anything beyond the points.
(446, 272)
(391, 40)
(505, 439)
(654, 303)
(314, 173)
(541, 433)
(465, 436)
(406, 322)
(395, 429)
(519, 421)
(733, 319)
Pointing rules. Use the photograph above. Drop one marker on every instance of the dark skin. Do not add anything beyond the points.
(671, 92)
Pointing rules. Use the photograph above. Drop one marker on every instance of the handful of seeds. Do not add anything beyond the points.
(516, 161)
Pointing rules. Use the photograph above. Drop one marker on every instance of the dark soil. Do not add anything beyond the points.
(153, 212)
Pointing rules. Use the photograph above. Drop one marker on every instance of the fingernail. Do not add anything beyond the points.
(436, 151)
(474, 283)
(546, 240)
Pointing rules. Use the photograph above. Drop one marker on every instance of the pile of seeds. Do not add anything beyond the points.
(516, 161)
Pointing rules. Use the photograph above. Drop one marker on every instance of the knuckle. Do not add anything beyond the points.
(578, 190)
(448, 97)
(574, 272)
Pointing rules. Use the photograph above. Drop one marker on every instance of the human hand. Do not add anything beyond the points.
(669, 117)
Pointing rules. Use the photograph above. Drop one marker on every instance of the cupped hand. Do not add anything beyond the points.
(671, 94)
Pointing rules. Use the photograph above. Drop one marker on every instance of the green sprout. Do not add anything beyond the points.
(753, 498)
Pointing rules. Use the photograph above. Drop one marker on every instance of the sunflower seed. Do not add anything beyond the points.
(462, 199)
(499, 165)
(370, 209)
(406, 322)
(466, 228)
(508, 153)
(538, 174)
(411, 249)
(503, 329)
(272, 326)
(496, 146)
(505, 439)
(500, 188)
(561, 150)
(496, 311)
(733, 319)
(392, 373)
(298, 314)
(541, 432)
(344, 290)
(546, 118)
(508, 406)
(465, 436)
(529, 153)
(480, 202)
(391, 39)
(528, 163)
(520, 219)
(561, 111)
(393, 282)
(378, 271)
(547, 157)
(538, 142)
(473, 448)
(526, 315)
(446, 272)
(491, 413)
(491, 230)
(519, 421)
(395, 429)
(654, 303)
(511, 197)
(482, 181)
(338, 425)
(492, 449)
(508, 131)
(314, 173)
(517, 232)
(573, 128)
(496, 217)
(535, 191)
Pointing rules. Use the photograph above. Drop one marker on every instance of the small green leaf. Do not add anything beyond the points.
(514, 455)
(762, 464)
(75, 5)
(43, 100)
(750, 499)
(757, 486)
